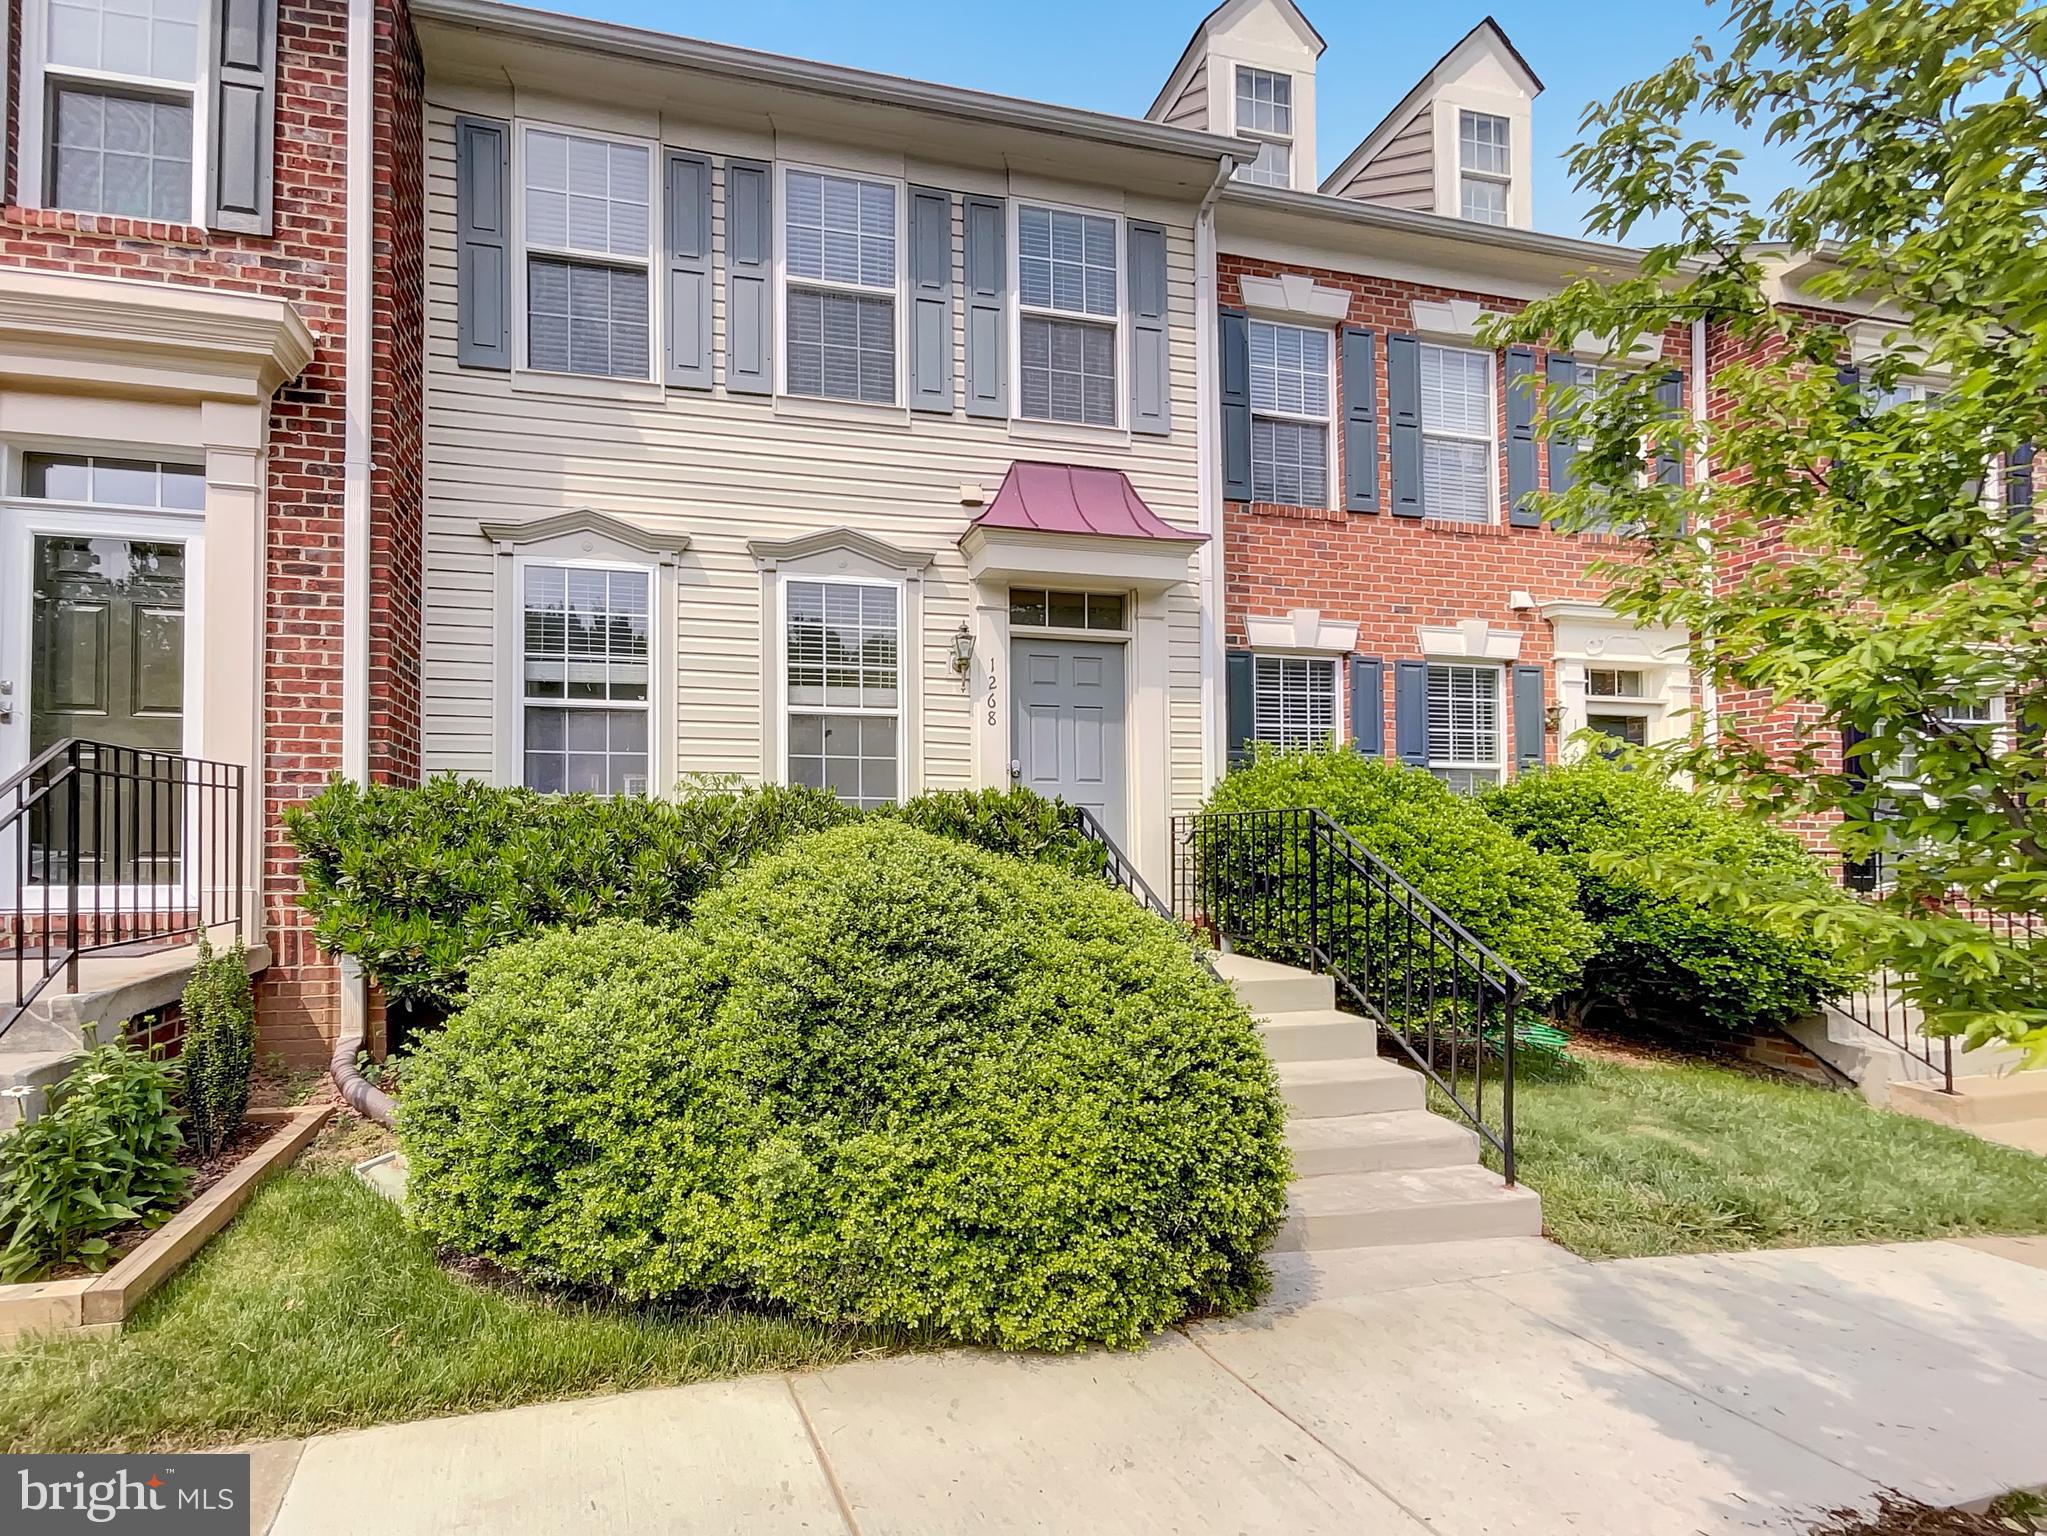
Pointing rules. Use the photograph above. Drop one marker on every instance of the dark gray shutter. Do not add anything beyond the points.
(1241, 707)
(1670, 399)
(688, 216)
(1233, 364)
(1360, 421)
(1522, 487)
(749, 294)
(1563, 447)
(2018, 482)
(1528, 721)
(1404, 426)
(483, 266)
(987, 267)
(1368, 706)
(244, 116)
(930, 300)
(1856, 874)
(1151, 400)
(1411, 713)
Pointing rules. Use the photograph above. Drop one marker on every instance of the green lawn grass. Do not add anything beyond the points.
(318, 1310)
(1636, 1160)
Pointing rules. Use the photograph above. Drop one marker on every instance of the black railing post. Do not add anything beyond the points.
(74, 859)
(1507, 1083)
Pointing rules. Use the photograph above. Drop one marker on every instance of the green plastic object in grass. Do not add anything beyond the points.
(882, 1078)
(102, 1155)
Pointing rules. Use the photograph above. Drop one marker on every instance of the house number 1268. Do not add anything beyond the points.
(993, 689)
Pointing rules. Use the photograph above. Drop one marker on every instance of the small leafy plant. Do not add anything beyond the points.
(220, 1046)
(102, 1155)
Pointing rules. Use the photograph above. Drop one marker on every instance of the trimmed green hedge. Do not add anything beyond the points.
(1660, 957)
(418, 882)
(1520, 903)
(882, 1077)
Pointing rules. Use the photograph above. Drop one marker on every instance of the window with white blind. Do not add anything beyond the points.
(1459, 449)
(1485, 167)
(589, 232)
(585, 699)
(1265, 115)
(840, 256)
(1068, 314)
(1290, 395)
(1293, 701)
(842, 641)
(116, 99)
(1465, 748)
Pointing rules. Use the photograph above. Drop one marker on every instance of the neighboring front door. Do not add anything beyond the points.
(106, 664)
(1068, 728)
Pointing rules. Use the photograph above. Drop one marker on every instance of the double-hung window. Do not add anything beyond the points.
(1458, 445)
(842, 641)
(1465, 749)
(1289, 414)
(1617, 704)
(584, 676)
(1485, 167)
(839, 249)
(1068, 313)
(1265, 115)
(1293, 701)
(589, 240)
(121, 86)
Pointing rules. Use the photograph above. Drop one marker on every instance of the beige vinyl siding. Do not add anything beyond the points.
(1191, 109)
(726, 470)
(1403, 173)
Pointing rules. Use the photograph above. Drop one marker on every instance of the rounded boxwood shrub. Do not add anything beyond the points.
(881, 1078)
(1520, 903)
(1663, 957)
(1016, 821)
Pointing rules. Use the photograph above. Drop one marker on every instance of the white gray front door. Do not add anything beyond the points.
(1069, 724)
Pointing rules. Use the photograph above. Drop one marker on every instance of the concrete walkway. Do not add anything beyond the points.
(1459, 1389)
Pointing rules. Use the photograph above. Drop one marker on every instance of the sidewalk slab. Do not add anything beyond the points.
(1158, 1441)
(1485, 1420)
(1833, 1371)
(703, 1460)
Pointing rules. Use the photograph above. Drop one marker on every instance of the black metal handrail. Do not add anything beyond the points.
(1294, 886)
(106, 847)
(1883, 1006)
(1120, 872)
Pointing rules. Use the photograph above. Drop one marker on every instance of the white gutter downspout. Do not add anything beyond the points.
(355, 517)
(1702, 469)
(1209, 465)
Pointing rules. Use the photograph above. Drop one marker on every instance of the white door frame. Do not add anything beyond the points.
(20, 523)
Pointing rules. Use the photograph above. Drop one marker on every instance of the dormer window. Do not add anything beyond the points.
(1485, 166)
(1265, 114)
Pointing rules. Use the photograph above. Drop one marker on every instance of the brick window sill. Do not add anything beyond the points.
(108, 225)
(1294, 512)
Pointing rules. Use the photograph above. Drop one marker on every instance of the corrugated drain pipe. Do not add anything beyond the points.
(357, 1092)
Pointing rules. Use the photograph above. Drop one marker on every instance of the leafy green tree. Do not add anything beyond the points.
(1866, 562)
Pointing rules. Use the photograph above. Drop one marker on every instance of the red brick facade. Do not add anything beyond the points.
(1393, 574)
(304, 263)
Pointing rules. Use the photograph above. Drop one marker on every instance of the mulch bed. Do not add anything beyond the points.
(205, 1172)
(1900, 1516)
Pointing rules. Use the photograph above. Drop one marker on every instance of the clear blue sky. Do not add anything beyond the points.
(1113, 55)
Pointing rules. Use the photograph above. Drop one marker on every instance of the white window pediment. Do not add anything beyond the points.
(1473, 639)
(1459, 318)
(592, 535)
(1592, 347)
(1302, 629)
(1294, 297)
(845, 551)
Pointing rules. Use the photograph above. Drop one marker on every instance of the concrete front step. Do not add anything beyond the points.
(1425, 1205)
(113, 988)
(1361, 1085)
(1266, 987)
(25, 1081)
(1317, 1034)
(1381, 1143)
(1976, 1101)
